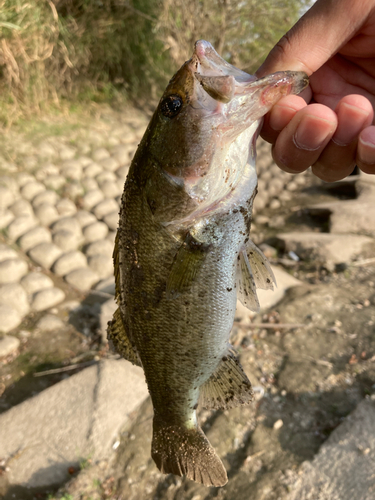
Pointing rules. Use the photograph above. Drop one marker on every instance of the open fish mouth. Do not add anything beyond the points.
(225, 83)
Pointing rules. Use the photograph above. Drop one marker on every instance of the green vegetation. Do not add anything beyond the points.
(55, 53)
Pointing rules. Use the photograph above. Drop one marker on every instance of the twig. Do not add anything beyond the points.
(363, 262)
(64, 368)
(272, 325)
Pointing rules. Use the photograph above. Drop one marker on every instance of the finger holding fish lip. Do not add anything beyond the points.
(302, 140)
(292, 127)
(366, 150)
(354, 113)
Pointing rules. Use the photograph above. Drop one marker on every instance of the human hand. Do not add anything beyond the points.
(334, 43)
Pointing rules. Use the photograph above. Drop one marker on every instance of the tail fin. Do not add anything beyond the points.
(186, 452)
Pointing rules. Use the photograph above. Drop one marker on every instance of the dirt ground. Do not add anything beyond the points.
(311, 364)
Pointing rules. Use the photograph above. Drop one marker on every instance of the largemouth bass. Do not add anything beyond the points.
(183, 253)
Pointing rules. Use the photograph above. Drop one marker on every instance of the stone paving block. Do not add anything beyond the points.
(8, 345)
(100, 247)
(34, 282)
(85, 218)
(101, 264)
(49, 323)
(22, 208)
(24, 177)
(112, 220)
(45, 170)
(84, 161)
(110, 164)
(95, 231)
(70, 224)
(92, 198)
(110, 189)
(45, 254)
(72, 169)
(69, 262)
(6, 252)
(46, 150)
(122, 172)
(12, 270)
(100, 154)
(74, 189)
(9, 318)
(107, 285)
(66, 207)
(105, 207)
(44, 299)
(31, 189)
(105, 177)
(6, 217)
(19, 226)
(92, 170)
(11, 183)
(71, 421)
(54, 181)
(6, 197)
(67, 240)
(13, 295)
(34, 237)
(83, 278)
(47, 197)
(67, 152)
(121, 153)
(89, 184)
(47, 214)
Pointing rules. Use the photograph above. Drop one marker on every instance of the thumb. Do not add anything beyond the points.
(317, 36)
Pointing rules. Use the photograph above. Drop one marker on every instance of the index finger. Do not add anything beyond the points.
(317, 36)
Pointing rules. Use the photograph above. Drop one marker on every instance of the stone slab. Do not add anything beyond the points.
(344, 468)
(74, 420)
(336, 248)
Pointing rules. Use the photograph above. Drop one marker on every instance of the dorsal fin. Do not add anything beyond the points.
(117, 335)
(116, 264)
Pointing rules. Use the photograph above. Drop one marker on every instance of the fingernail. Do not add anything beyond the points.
(345, 135)
(367, 151)
(312, 132)
(280, 116)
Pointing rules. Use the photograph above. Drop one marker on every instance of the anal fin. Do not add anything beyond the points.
(116, 333)
(228, 386)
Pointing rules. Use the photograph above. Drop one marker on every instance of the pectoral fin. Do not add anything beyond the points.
(261, 269)
(228, 386)
(246, 287)
(188, 261)
(116, 333)
(253, 271)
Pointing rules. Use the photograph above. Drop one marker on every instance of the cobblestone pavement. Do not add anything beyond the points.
(59, 205)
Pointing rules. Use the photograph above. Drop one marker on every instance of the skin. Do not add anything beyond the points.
(334, 43)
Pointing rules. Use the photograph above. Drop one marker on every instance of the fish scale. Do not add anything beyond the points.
(183, 253)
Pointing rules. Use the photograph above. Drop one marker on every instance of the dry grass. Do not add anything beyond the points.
(55, 52)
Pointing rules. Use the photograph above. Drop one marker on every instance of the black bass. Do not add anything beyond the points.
(183, 253)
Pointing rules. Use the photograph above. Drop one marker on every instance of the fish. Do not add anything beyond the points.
(183, 254)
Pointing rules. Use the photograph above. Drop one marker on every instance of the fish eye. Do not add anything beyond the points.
(171, 106)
